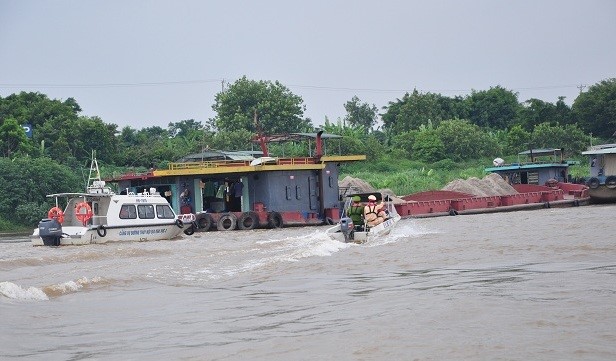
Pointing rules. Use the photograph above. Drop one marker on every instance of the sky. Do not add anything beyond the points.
(145, 63)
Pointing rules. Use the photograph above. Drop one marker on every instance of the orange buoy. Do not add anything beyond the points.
(57, 214)
(83, 212)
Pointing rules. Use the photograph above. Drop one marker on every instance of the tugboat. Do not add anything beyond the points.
(602, 180)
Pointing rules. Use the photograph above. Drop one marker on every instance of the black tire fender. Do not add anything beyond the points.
(190, 230)
(205, 222)
(179, 223)
(248, 220)
(274, 220)
(227, 222)
(593, 182)
(101, 231)
(610, 182)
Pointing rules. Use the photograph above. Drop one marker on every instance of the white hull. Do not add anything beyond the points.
(84, 235)
(372, 234)
(101, 216)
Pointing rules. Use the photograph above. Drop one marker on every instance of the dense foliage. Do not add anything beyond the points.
(424, 140)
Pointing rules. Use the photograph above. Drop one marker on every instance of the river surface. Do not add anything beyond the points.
(527, 285)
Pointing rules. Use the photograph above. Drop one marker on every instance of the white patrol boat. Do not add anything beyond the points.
(347, 231)
(100, 216)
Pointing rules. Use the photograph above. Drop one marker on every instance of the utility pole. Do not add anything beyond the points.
(581, 87)
(223, 85)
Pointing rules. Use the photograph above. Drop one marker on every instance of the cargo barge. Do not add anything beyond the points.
(247, 190)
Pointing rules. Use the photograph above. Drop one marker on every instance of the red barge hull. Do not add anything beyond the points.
(529, 196)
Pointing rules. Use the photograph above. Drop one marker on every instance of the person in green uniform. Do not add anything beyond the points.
(356, 212)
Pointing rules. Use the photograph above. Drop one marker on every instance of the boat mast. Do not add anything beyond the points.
(95, 175)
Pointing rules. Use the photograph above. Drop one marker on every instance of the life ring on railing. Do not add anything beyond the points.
(83, 212)
(227, 222)
(593, 182)
(101, 231)
(610, 182)
(57, 214)
(274, 220)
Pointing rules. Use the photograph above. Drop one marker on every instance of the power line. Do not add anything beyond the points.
(225, 83)
(110, 85)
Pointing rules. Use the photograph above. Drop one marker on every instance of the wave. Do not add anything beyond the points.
(13, 291)
(17, 292)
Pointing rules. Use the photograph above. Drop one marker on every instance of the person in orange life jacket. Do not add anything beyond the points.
(372, 211)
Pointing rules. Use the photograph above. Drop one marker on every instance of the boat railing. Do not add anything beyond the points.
(238, 163)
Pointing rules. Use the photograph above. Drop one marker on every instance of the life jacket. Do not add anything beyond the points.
(355, 212)
(370, 210)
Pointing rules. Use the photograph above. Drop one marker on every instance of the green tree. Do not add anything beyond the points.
(353, 137)
(496, 108)
(360, 114)
(404, 142)
(186, 128)
(563, 112)
(232, 140)
(28, 181)
(277, 109)
(411, 112)
(570, 137)
(595, 110)
(35, 109)
(463, 140)
(73, 139)
(13, 139)
(428, 146)
(536, 111)
(417, 109)
(517, 140)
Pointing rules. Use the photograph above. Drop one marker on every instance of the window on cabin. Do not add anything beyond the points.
(145, 211)
(164, 211)
(128, 211)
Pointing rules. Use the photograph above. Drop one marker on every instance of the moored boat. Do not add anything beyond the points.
(99, 216)
(602, 180)
(349, 231)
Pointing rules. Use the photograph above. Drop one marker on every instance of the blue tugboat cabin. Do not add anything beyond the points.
(535, 166)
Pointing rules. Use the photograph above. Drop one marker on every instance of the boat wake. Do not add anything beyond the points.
(14, 291)
(405, 229)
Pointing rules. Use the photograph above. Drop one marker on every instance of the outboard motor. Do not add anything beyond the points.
(50, 231)
(347, 228)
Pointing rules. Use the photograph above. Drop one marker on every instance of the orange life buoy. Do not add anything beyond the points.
(83, 212)
(57, 214)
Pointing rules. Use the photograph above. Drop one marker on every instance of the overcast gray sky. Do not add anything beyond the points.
(148, 63)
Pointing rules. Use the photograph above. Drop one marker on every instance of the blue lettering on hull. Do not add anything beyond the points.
(141, 232)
